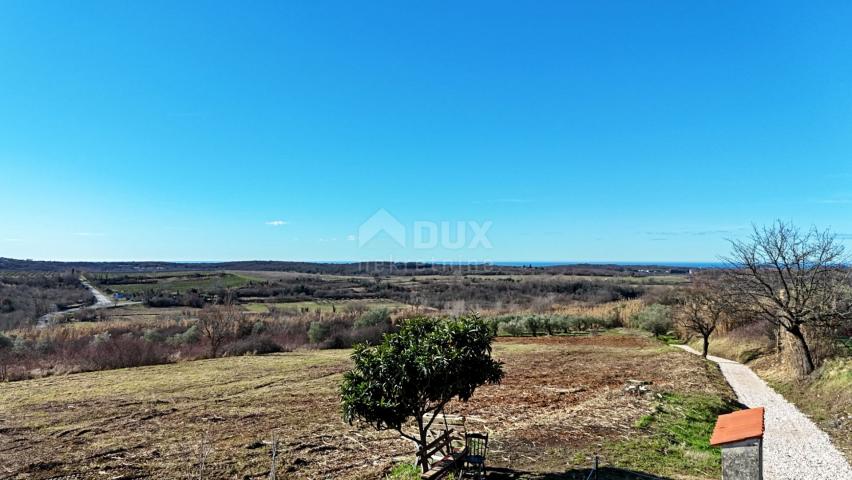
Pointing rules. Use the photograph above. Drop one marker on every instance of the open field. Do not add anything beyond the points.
(454, 293)
(179, 282)
(560, 402)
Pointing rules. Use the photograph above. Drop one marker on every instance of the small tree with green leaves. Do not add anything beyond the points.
(416, 371)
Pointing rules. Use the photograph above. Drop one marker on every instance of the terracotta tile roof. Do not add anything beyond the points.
(738, 426)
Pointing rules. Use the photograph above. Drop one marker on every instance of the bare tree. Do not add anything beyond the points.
(701, 311)
(793, 279)
(215, 323)
(6, 346)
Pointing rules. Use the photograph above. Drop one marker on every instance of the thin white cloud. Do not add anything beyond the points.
(502, 200)
(89, 234)
(276, 223)
(719, 231)
(13, 239)
(350, 238)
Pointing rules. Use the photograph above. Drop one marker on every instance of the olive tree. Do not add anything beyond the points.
(793, 279)
(416, 371)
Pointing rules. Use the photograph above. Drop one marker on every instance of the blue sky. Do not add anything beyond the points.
(641, 131)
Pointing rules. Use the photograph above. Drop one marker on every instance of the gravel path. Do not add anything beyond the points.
(794, 448)
(101, 301)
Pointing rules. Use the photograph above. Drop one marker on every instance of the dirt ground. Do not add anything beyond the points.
(564, 397)
(561, 397)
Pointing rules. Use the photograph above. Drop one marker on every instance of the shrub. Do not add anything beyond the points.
(332, 333)
(610, 321)
(258, 328)
(379, 317)
(549, 324)
(533, 324)
(6, 306)
(188, 337)
(493, 325)
(370, 335)
(152, 335)
(122, 352)
(45, 346)
(560, 324)
(583, 323)
(6, 343)
(513, 328)
(654, 318)
(21, 345)
(100, 338)
(254, 345)
(317, 332)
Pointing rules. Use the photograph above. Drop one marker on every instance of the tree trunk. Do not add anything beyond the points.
(706, 345)
(424, 457)
(805, 361)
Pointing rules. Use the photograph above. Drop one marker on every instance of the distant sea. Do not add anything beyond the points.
(661, 264)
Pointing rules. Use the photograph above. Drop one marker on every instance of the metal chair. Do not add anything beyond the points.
(476, 445)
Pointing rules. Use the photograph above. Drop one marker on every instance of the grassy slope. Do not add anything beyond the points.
(826, 397)
(561, 399)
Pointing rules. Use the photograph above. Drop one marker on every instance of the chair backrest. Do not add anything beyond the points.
(476, 443)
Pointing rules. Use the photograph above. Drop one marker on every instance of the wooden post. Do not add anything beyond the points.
(272, 473)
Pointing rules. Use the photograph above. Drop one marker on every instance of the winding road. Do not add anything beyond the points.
(794, 448)
(101, 301)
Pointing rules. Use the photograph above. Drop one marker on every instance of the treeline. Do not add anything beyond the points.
(481, 293)
(355, 268)
(517, 325)
(24, 297)
(215, 331)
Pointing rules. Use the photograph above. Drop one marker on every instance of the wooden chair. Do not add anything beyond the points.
(448, 462)
(476, 447)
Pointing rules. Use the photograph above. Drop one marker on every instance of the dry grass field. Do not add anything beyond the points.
(562, 400)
